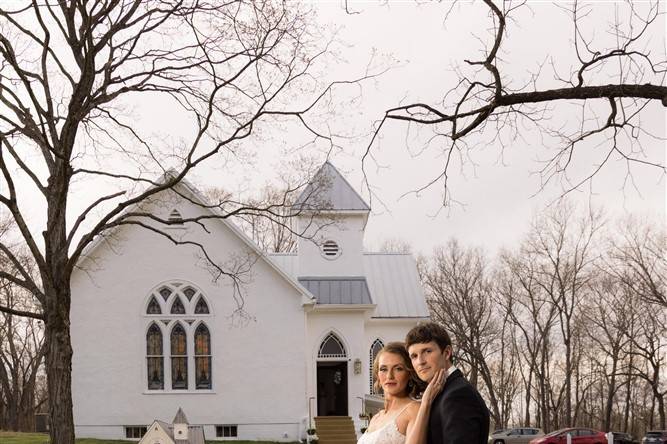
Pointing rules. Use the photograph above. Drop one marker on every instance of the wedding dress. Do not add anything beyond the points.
(387, 434)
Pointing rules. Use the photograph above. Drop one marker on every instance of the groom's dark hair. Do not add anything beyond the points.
(427, 332)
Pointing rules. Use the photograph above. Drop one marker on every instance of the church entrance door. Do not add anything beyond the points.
(332, 388)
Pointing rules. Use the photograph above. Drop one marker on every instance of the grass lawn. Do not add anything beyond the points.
(40, 438)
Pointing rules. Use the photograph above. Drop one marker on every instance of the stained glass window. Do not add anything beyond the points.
(202, 357)
(153, 307)
(331, 347)
(165, 293)
(184, 317)
(189, 292)
(375, 349)
(179, 358)
(154, 358)
(201, 307)
(177, 306)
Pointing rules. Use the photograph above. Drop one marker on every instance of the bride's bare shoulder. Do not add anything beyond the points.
(413, 408)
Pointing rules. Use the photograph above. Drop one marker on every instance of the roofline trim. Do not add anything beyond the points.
(194, 192)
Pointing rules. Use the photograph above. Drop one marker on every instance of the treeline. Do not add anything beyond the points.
(567, 328)
(23, 390)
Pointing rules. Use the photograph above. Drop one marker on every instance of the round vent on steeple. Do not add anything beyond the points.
(330, 249)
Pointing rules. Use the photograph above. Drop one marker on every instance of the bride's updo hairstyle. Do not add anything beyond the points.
(415, 386)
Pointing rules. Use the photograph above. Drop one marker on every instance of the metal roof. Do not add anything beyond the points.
(338, 290)
(329, 190)
(394, 283)
(392, 280)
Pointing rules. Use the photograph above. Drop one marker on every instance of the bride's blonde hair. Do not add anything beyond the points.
(415, 386)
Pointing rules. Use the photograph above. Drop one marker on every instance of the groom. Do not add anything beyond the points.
(458, 414)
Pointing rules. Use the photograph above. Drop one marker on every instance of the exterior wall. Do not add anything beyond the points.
(357, 332)
(347, 231)
(349, 327)
(257, 363)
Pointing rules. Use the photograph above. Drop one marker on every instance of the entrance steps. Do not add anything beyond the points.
(335, 430)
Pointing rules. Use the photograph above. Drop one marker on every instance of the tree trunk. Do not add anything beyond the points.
(27, 407)
(59, 368)
(661, 410)
(526, 422)
(568, 379)
(610, 396)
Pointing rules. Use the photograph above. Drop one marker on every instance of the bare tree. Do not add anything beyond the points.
(274, 234)
(395, 245)
(609, 316)
(460, 298)
(637, 259)
(562, 245)
(612, 84)
(534, 315)
(70, 74)
(21, 359)
(650, 345)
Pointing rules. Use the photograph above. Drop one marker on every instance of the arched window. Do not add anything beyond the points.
(153, 307)
(372, 354)
(201, 307)
(154, 358)
(202, 357)
(177, 306)
(181, 307)
(331, 347)
(165, 293)
(189, 292)
(179, 358)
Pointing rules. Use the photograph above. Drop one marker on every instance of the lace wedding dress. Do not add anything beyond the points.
(387, 434)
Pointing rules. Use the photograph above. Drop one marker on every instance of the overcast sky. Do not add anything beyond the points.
(498, 191)
(500, 194)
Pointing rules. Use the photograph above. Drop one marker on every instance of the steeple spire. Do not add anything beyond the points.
(329, 190)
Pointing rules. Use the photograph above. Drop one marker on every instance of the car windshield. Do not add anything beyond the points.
(653, 434)
(558, 432)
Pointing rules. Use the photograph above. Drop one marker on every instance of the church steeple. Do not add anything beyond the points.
(332, 216)
(328, 190)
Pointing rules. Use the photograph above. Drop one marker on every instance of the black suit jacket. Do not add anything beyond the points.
(458, 414)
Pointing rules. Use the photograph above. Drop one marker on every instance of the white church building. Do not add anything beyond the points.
(153, 331)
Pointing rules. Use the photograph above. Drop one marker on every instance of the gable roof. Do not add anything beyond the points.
(329, 190)
(184, 185)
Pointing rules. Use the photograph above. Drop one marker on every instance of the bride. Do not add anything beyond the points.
(403, 420)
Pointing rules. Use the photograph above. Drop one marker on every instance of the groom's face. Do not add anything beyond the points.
(427, 358)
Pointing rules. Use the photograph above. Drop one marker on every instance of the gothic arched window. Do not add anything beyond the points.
(202, 357)
(154, 358)
(181, 307)
(331, 347)
(201, 307)
(153, 307)
(177, 306)
(372, 354)
(179, 358)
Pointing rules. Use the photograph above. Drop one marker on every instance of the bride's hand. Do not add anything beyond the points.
(434, 387)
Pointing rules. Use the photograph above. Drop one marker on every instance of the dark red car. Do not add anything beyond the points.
(580, 435)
